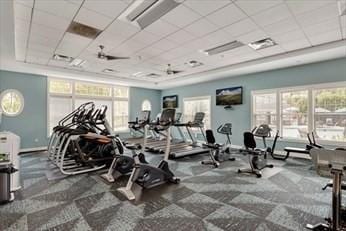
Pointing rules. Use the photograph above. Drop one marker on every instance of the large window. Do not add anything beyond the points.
(65, 95)
(194, 105)
(298, 111)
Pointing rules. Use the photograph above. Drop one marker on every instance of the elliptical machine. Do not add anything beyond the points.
(257, 157)
(149, 176)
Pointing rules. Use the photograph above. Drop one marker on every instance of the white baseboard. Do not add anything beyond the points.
(36, 149)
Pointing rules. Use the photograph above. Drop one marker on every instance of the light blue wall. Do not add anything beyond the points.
(240, 117)
(138, 95)
(31, 124)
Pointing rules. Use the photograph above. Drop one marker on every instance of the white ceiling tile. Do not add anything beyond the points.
(328, 25)
(21, 26)
(110, 8)
(129, 47)
(164, 45)
(28, 3)
(181, 37)
(72, 45)
(318, 15)
(200, 28)
(325, 37)
(252, 36)
(271, 51)
(43, 18)
(148, 53)
(343, 26)
(295, 44)
(92, 19)
(44, 41)
(272, 15)
(181, 16)
(41, 48)
(145, 37)
(36, 59)
(45, 31)
(254, 6)
(218, 38)
(161, 28)
(299, 7)
(22, 12)
(206, 6)
(241, 27)
(226, 15)
(123, 29)
(77, 2)
(108, 40)
(289, 36)
(59, 8)
(57, 63)
(283, 26)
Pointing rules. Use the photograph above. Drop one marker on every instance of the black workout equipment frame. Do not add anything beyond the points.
(257, 157)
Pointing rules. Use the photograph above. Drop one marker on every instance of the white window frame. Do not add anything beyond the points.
(75, 97)
(208, 97)
(310, 112)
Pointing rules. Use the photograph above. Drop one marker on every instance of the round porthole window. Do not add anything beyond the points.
(11, 102)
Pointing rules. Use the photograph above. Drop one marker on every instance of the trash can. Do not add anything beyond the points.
(5, 182)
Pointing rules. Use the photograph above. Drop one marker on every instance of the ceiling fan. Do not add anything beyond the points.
(102, 55)
(170, 71)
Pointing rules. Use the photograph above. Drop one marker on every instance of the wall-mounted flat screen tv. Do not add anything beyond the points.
(170, 101)
(229, 96)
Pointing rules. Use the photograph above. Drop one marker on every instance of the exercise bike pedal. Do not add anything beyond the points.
(231, 159)
(258, 175)
(270, 166)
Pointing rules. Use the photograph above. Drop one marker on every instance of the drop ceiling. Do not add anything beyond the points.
(177, 38)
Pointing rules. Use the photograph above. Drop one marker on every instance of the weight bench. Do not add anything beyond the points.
(288, 150)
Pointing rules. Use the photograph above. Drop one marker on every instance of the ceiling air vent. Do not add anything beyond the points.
(145, 12)
(62, 58)
(83, 30)
(261, 44)
(225, 47)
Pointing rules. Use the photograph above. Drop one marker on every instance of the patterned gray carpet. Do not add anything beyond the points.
(286, 198)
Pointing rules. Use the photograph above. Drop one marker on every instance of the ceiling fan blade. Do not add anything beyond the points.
(110, 57)
(176, 72)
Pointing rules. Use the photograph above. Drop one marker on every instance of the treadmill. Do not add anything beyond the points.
(159, 145)
(189, 148)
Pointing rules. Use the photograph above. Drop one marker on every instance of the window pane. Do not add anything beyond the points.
(265, 109)
(60, 86)
(330, 114)
(146, 105)
(294, 108)
(12, 103)
(191, 107)
(88, 89)
(121, 115)
(122, 92)
(98, 104)
(59, 107)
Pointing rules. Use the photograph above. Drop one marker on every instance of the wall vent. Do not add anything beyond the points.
(83, 30)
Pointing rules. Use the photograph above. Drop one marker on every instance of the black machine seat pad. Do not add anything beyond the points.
(296, 150)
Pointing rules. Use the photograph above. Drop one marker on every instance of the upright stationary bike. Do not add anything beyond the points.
(146, 175)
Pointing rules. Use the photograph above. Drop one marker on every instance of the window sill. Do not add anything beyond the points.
(305, 141)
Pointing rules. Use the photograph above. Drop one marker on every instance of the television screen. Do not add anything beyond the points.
(170, 101)
(229, 96)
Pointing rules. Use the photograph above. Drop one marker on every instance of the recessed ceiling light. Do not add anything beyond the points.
(194, 63)
(109, 70)
(224, 47)
(261, 44)
(77, 62)
(62, 58)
